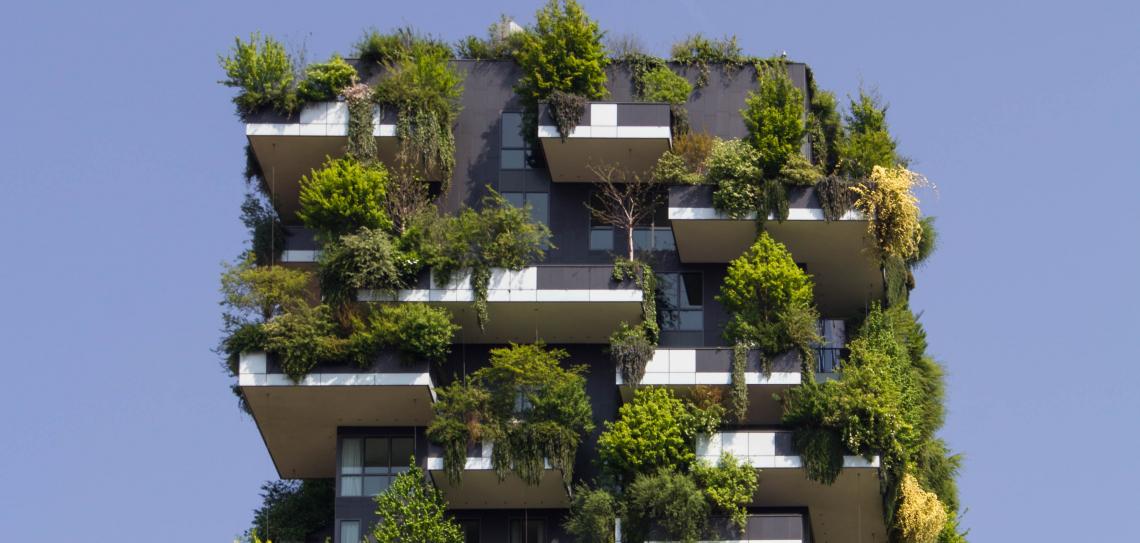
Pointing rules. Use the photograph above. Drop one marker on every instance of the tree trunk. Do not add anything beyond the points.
(629, 240)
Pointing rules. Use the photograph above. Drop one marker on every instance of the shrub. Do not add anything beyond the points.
(654, 430)
(361, 139)
(920, 516)
(669, 499)
(891, 208)
(729, 486)
(501, 43)
(687, 162)
(418, 330)
(762, 287)
(364, 260)
(411, 509)
(825, 128)
(732, 167)
(564, 52)
(592, 514)
(699, 51)
(303, 337)
(927, 243)
(344, 196)
(293, 510)
(376, 47)
(631, 350)
(799, 171)
(868, 142)
(663, 85)
(774, 117)
(255, 294)
(325, 81)
(567, 109)
(524, 401)
(263, 71)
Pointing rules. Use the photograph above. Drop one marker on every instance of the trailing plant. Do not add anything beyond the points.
(888, 202)
(774, 116)
(592, 515)
(835, 196)
(361, 139)
(654, 430)
(501, 43)
(364, 260)
(643, 276)
(566, 109)
(687, 161)
(699, 51)
(729, 486)
(671, 501)
(631, 350)
(526, 403)
(263, 71)
(821, 449)
(292, 510)
(738, 394)
(563, 51)
(325, 81)
(344, 196)
(375, 47)
(920, 517)
(868, 142)
(412, 509)
(639, 64)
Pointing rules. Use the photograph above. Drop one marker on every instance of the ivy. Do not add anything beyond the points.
(631, 351)
(699, 52)
(567, 109)
(412, 509)
(643, 276)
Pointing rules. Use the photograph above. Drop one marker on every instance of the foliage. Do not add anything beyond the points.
(797, 170)
(822, 449)
(920, 516)
(687, 161)
(654, 430)
(868, 142)
(419, 331)
(669, 499)
(566, 109)
(642, 274)
(729, 486)
(263, 71)
(266, 235)
(738, 394)
(927, 243)
(344, 196)
(825, 128)
(303, 338)
(361, 139)
(899, 280)
(835, 196)
(774, 116)
(325, 81)
(699, 51)
(624, 200)
(891, 208)
(411, 509)
(501, 43)
(763, 291)
(375, 47)
(592, 514)
(663, 85)
(364, 260)
(526, 403)
(631, 350)
(243, 338)
(292, 510)
(256, 294)
(741, 188)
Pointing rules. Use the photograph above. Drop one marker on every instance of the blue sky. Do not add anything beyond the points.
(122, 182)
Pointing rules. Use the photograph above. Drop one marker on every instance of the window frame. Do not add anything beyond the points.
(390, 472)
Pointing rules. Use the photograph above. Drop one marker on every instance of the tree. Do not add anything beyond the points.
(344, 196)
(774, 115)
(255, 294)
(292, 510)
(263, 71)
(868, 142)
(670, 499)
(563, 51)
(624, 200)
(655, 430)
(592, 514)
(414, 511)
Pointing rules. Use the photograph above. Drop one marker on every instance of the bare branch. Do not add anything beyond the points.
(623, 199)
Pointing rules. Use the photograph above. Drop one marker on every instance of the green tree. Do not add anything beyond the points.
(655, 430)
(868, 142)
(363, 260)
(413, 511)
(729, 486)
(344, 196)
(669, 499)
(774, 115)
(263, 71)
(255, 294)
(826, 129)
(326, 80)
(563, 51)
(592, 514)
(292, 510)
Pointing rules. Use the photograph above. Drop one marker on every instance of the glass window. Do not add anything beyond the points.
(368, 465)
(539, 204)
(512, 131)
(601, 238)
(514, 153)
(680, 301)
(350, 531)
(528, 531)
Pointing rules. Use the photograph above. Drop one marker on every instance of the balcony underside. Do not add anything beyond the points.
(570, 161)
(481, 488)
(848, 510)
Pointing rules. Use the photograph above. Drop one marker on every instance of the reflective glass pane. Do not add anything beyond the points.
(350, 456)
(516, 199)
(512, 131)
(376, 484)
(403, 448)
(691, 320)
(691, 291)
(601, 238)
(663, 239)
(376, 459)
(351, 486)
(513, 159)
(349, 531)
(667, 290)
(540, 206)
(669, 320)
(642, 239)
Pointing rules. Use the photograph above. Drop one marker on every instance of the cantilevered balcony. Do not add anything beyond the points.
(850, 509)
(759, 528)
(287, 148)
(838, 254)
(630, 135)
(560, 304)
(684, 369)
(298, 421)
(480, 487)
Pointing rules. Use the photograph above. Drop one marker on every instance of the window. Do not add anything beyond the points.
(657, 235)
(470, 530)
(368, 465)
(680, 301)
(601, 234)
(539, 204)
(350, 531)
(514, 152)
(527, 531)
